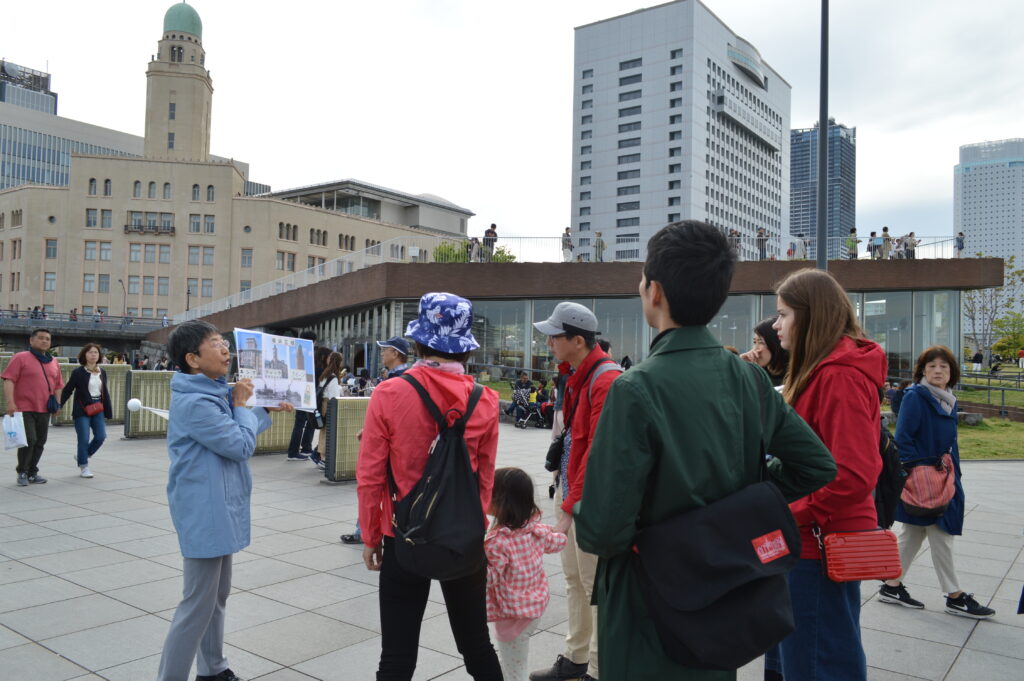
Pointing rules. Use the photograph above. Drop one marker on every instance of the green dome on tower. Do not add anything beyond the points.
(182, 18)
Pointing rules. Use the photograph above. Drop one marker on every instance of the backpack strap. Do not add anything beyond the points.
(442, 423)
(598, 370)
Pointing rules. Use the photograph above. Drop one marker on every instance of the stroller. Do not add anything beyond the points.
(526, 412)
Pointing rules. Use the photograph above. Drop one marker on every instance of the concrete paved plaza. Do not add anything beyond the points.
(90, 574)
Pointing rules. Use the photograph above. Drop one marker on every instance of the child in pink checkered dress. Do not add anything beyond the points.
(517, 587)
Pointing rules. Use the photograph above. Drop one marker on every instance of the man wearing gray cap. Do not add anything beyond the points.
(572, 337)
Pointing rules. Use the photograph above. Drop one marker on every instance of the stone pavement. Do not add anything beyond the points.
(90, 574)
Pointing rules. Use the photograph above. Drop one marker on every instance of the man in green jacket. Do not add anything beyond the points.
(679, 431)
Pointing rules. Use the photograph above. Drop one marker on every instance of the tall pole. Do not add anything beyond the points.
(124, 298)
(822, 217)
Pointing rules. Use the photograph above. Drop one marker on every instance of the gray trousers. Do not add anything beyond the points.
(197, 630)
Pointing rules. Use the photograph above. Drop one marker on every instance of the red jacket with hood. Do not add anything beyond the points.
(584, 419)
(399, 428)
(841, 405)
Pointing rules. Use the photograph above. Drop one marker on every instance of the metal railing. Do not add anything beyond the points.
(585, 247)
(26, 319)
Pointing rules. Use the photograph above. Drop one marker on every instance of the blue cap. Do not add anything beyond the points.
(445, 323)
(396, 343)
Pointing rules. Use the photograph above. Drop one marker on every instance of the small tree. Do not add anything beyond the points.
(502, 254)
(1010, 332)
(451, 251)
(983, 307)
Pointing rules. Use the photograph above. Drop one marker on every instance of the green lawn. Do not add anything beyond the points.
(993, 439)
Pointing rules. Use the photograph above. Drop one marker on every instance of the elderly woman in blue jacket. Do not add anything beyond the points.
(925, 430)
(210, 437)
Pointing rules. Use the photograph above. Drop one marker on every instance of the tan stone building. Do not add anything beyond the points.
(154, 235)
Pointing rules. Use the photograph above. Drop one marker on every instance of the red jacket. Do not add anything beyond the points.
(584, 420)
(399, 428)
(841, 405)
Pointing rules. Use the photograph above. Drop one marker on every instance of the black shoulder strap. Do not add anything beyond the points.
(763, 464)
(474, 397)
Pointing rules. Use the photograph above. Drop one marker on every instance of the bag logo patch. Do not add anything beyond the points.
(771, 546)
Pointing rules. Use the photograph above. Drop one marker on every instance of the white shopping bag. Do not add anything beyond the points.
(14, 431)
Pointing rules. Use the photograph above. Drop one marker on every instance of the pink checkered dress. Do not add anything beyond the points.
(517, 587)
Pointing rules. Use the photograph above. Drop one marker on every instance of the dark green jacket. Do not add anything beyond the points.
(678, 431)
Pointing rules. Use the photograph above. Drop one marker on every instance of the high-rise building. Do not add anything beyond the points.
(988, 198)
(675, 117)
(841, 215)
(26, 88)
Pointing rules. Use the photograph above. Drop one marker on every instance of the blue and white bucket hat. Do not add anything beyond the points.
(445, 323)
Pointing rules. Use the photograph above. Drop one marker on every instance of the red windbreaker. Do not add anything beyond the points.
(584, 420)
(399, 427)
(841, 405)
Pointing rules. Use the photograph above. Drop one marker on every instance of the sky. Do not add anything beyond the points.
(471, 99)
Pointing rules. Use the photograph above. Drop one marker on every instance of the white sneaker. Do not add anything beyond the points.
(86, 473)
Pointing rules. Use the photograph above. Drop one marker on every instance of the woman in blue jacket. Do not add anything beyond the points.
(925, 430)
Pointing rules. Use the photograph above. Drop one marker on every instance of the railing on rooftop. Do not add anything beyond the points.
(585, 248)
(26, 319)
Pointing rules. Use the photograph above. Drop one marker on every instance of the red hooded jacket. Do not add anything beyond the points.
(841, 405)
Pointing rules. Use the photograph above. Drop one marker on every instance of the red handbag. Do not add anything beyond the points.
(93, 409)
(930, 488)
(856, 556)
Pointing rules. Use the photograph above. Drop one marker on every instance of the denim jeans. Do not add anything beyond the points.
(826, 644)
(99, 434)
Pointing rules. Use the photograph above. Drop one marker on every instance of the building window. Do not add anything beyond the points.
(629, 127)
(90, 250)
(584, 165)
(147, 286)
(192, 286)
(587, 120)
(133, 284)
(193, 223)
(49, 281)
(88, 283)
(195, 192)
(629, 80)
(137, 190)
(207, 255)
(208, 224)
(675, 184)
(279, 260)
(629, 158)
(584, 196)
(675, 103)
(674, 201)
(152, 190)
(675, 119)
(51, 249)
(171, 111)
(170, 140)
(627, 222)
(675, 70)
(587, 104)
(628, 205)
(132, 312)
(675, 151)
(193, 255)
(629, 142)
(629, 111)
(584, 226)
(290, 261)
(675, 168)
(151, 219)
(108, 188)
(675, 135)
(247, 255)
(105, 251)
(584, 210)
(586, 134)
(136, 218)
(587, 89)
(150, 253)
(106, 218)
(244, 285)
(165, 254)
(163, 285)
(90, 217)
(585, 149)
(628, 174)
(676, 86)
(104, 286)
(134, 252)
(585, 179)
(673, 217)
(627, 96)
(629, 189)
(92, 186)
(167, 190)
(587, 73)
(209, 193)
(631, 64)
(676, 53)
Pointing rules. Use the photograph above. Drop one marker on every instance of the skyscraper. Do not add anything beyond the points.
(27, 88)
(841, 215)
(988, 198)
(675, 117)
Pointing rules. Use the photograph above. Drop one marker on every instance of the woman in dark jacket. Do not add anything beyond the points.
(925, 430)
(767, 352)
(88, 383)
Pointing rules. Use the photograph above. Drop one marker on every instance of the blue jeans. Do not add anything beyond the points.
(99, 434)
(826, 645)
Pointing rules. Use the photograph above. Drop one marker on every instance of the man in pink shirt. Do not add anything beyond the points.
(30, 381)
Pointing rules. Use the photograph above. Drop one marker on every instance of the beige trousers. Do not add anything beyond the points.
(579, 569)
(941, 544)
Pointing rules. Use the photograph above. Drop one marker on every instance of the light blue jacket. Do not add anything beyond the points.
(209, 483)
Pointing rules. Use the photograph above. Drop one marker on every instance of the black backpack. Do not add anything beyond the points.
(439, 525)
(890, 480)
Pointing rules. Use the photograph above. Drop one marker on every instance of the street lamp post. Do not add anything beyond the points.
(124, 299)
(188, 295)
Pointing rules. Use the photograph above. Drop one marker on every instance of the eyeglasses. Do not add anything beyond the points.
(220, 344)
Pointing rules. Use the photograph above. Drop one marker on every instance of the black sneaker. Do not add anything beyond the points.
(36, 480)
(297, 457)
(351, 539)
(563, 670)
(22, 479)
(226, 675)
(966, 606)
(898, 595)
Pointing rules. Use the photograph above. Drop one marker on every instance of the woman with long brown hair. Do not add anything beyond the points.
(833, 380)
(328, 387)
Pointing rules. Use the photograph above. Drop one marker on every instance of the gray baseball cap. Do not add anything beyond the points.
(568, 317)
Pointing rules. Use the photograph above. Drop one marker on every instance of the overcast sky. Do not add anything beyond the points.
(471, 99)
